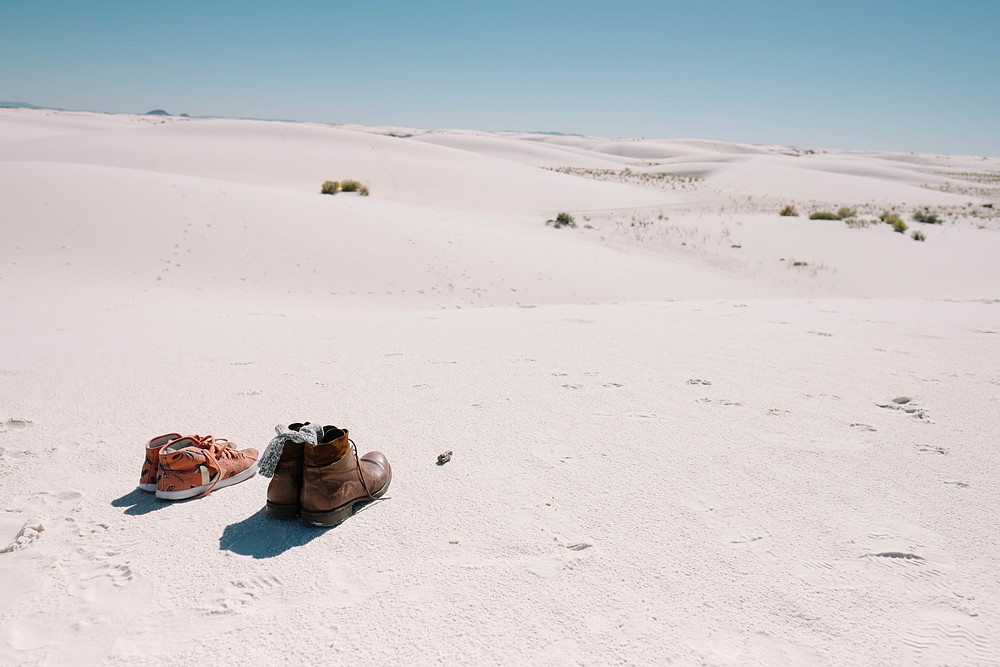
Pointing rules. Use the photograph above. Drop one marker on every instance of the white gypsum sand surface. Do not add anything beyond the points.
(674, 433)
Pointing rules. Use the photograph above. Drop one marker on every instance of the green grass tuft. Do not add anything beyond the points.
(824, 215)
(789, 211)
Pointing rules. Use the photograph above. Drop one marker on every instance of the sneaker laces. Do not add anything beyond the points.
(226, 451)
(214, 451)
(204, 441)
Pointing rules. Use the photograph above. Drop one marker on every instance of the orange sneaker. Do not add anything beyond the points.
(193, 466)
(147, 479)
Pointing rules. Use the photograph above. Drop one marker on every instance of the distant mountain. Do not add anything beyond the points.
(557, 134)
(18, 105)
(157, 112)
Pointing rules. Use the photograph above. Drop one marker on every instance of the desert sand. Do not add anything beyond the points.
(688, 431)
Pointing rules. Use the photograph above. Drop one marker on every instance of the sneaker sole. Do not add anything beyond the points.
(340, 514)
(151, 488)
(198, 490)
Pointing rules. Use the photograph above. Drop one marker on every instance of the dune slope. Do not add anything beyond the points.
(687, 431)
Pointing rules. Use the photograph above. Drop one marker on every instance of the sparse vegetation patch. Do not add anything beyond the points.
(918, 236)
(824, 215)
(858, 223)
(659, 181)
(845, 213)
(333, 187)
(564, 219)
(789, 211)
(892, 219)
(926, 217)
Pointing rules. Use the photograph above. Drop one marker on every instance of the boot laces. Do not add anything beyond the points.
(361, 474)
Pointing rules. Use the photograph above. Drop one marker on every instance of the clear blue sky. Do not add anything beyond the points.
(912, 76)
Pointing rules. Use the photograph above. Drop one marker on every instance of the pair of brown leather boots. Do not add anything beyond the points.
(321, 484)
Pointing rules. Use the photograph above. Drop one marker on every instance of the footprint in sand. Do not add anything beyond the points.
(54, 503)
(40, 508)
(900, 560)
(100, 588)
(235, 595)
(905, 404)
(553, 451)
(99, 580)
(730, 525)
(15, 424)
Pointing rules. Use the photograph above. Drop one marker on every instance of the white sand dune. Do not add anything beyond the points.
(688, 431)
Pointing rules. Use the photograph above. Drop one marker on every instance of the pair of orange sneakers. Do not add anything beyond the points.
(189, 466)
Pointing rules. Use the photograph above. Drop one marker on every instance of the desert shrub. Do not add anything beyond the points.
(364, 191)
(845, 213)
(330, 188)
(824, 215)
(789, 211)
(892, 219)
(926, 217)
(856, 222)
(350, 186)
(564, 219)
(919, 236)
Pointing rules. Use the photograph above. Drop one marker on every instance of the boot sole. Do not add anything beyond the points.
(283, 511)
(340, 514)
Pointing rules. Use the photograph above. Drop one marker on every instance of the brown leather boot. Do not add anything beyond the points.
(335, 479)
(286, 485)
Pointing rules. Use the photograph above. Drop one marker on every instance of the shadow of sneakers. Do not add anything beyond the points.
(138, 502)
